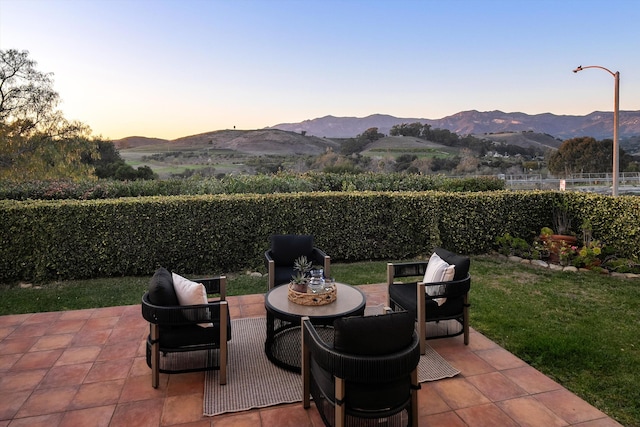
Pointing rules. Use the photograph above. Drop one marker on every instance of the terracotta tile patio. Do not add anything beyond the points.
(87, 368)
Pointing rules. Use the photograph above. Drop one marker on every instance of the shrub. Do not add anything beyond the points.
(513, 246)
(256, 184)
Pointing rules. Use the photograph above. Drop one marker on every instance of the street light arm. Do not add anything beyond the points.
(616, 123)
(580, 68)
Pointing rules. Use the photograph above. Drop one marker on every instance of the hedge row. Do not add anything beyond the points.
(255, 184)
(50, 240)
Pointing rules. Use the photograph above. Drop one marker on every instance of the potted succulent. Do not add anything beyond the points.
(545, 233)
(299, 280)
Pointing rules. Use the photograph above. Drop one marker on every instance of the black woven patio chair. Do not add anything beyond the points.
(285, 249)
(177, 340)
(366, 373)
(441, 309)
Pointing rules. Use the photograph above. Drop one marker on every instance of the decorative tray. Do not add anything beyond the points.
(328, 296)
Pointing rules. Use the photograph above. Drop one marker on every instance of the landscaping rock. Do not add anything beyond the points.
(539, 263)
(570, 268)
(556, 267)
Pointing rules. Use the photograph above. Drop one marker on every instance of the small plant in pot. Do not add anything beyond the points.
(541, 244)
(299, 280)
(563, 237)
(545, 232)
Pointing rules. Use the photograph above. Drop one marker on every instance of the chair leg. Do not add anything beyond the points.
(223, 342)
(305, 368)
(414, 398)
(155, 354)
(421, 316)
(389, 283)
(339, 397)
(272, 274)
(465, 319)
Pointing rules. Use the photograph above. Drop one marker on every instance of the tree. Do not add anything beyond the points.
(109, 164)
(36, 141)
(405, 129)
(468, 162)
(357, 144)
(403, 162)
(585, 155)
(371, 135)
(426, 132)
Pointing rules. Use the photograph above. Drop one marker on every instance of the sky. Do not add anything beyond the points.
(173, 68)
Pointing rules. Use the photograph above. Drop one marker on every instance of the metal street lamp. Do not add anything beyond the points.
(616, 113)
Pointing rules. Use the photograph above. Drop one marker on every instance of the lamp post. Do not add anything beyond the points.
(616, 113)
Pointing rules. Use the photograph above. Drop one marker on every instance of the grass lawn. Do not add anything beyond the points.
(578, 328)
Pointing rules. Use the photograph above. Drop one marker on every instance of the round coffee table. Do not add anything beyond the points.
(283, 345)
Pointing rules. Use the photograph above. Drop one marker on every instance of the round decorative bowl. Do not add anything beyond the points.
(328, 296)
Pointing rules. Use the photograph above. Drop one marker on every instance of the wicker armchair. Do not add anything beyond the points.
(364, 371)
(177, 329)
(441, 309)
(285, 249)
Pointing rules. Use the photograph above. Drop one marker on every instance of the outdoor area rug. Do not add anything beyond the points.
(254, 382)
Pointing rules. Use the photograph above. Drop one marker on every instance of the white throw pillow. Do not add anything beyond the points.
(438, 270)
(190, 293)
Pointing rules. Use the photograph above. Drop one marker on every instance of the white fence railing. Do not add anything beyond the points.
(628, 182)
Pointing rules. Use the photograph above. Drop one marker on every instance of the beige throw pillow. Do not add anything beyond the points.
(190, 293)
(438, 270)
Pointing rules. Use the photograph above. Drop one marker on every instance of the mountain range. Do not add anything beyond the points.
(598, 124)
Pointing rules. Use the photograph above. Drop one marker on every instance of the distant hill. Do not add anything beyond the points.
(254, 142)
(403, 143)
(524, 139)
(597, 124)
(137, 141)
(546, 130)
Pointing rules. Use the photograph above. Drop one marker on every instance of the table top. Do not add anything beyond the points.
(348, 300)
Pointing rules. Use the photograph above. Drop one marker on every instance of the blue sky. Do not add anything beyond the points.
(172, 68)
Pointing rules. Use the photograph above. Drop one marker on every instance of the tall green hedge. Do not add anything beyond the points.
(71, 239)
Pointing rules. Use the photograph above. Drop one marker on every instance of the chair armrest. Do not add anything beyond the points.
(319, 257)
(268, 256)
(215, 285)
(359, 367)
(271, 269)
(405, 269)
(451, 289)
(181, 314)
(318, 254)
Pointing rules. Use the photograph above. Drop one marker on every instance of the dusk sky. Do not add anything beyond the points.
(172, 68)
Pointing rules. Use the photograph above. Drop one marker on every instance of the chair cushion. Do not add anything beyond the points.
(161, 291)
(460, 261)
(190, 293)
(175, 337)
(404, 295)
(286, 248)
(373, 335)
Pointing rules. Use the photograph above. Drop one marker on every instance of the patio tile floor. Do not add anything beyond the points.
(88, 368)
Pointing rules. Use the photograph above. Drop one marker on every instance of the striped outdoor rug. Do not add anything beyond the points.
(254, 382)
